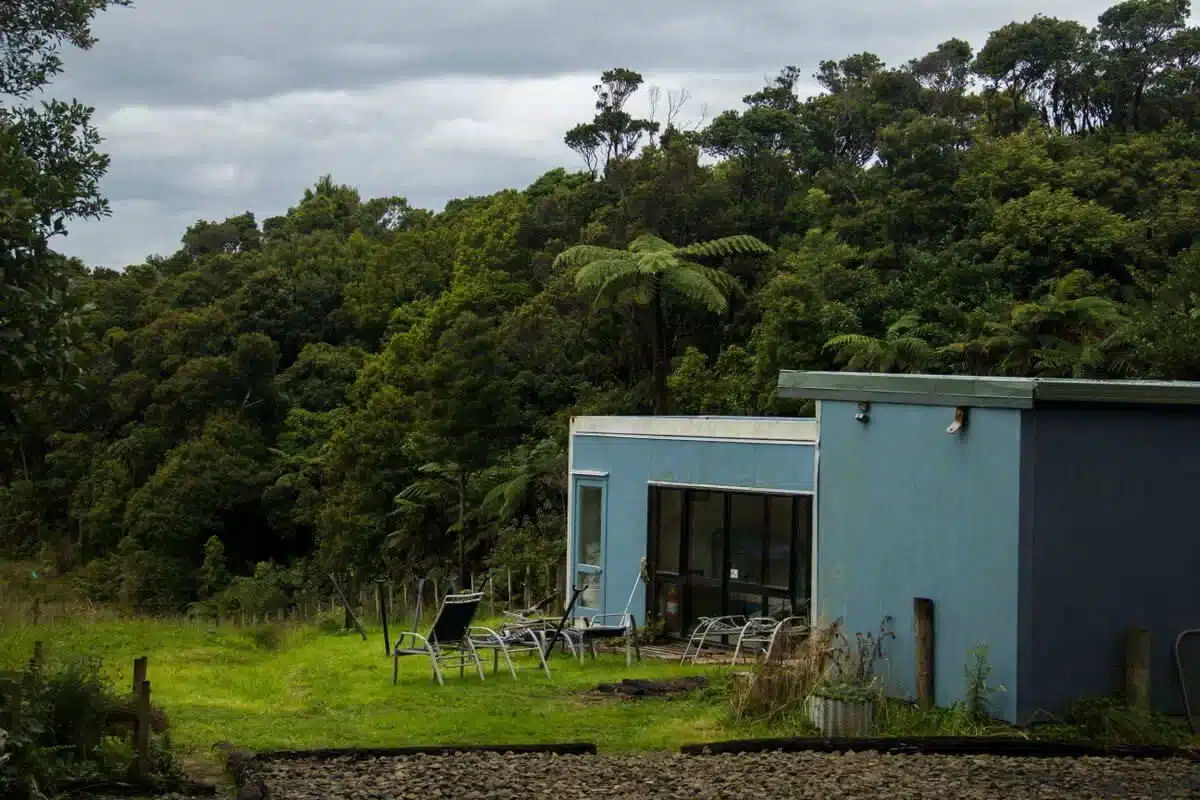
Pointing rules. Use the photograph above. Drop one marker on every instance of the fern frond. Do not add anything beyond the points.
(649, 243)
(598, 274)
(656, 262)
(585, 253)
(740, 244)
(857, 341)
(696, 287)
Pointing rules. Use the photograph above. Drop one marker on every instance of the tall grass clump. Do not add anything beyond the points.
(776, 689)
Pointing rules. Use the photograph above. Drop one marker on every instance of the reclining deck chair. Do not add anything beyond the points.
(449, 640)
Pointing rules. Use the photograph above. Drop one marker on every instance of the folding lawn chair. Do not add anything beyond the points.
(508, 641)
(449, 640)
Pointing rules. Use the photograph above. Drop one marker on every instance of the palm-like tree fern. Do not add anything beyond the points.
(902, 349)
(652, 269)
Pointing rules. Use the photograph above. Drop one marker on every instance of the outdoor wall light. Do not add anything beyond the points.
(864, 413)
(960, 420)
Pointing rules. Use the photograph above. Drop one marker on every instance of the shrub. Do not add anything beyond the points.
(1109, 721)
(64, 727)
(268, 636)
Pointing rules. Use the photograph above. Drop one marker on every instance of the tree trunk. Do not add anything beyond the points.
(659, 369)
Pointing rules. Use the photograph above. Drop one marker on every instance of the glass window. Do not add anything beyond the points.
(746, 604)
(780, 524)
(670, 528)
(590, 596)
(747, 518)
(706, 534)
(590, 524)
(804, 544)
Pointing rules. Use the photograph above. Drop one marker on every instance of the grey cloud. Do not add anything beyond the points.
(184, 51)
(232, 64)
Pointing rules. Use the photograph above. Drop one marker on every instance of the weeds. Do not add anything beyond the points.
(977, 701)
(1108, 721)
(778, 689)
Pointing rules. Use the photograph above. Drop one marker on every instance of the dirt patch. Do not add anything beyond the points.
(637, 688)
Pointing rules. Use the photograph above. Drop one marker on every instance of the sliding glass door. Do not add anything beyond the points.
(713, 553)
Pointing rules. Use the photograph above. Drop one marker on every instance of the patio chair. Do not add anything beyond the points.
(712, 628)
(509, 640)
(761, 635)
(549, 630)
(449, 640)
(614, 625)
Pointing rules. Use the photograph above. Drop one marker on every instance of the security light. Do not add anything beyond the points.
(960, 420)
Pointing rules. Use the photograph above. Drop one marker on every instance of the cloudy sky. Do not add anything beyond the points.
(213, 107)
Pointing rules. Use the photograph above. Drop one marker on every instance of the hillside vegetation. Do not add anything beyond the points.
(363, 384)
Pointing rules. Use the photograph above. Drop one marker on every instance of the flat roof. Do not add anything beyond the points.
(979, 391)
(759, 429)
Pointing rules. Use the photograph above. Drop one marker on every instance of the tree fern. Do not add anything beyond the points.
(651, 267)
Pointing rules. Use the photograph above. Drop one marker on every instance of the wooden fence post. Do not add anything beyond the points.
(1137, 669)
(139, 674)
(508, 595)
(528, 602)
(923, 635)
(142, 733)
(12, 720)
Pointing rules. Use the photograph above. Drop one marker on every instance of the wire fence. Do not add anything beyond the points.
(503, 590)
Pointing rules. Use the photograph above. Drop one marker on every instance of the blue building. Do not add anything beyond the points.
(1044, 518)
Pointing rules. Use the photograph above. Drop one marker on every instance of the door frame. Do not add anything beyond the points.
(582, 480)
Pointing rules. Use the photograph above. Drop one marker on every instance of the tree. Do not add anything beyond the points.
(614, 133)
(655, 272)
(49, 175)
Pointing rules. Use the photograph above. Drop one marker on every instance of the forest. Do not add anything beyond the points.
(362, 385)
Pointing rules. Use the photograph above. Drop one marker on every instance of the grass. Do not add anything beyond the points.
(320, 689)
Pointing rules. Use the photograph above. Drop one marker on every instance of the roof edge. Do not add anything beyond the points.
(982, 392)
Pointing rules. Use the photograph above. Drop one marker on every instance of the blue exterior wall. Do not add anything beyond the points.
(905, 510)
(1111, 545)
(633, 463)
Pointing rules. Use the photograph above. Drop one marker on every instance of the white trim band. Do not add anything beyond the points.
(758, 429)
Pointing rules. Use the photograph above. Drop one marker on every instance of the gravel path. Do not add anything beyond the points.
(762, 776)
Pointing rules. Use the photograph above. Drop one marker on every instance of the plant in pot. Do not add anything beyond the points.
(844, 700)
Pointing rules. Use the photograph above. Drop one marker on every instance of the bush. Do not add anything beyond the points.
(66, 722)
(268, 636)
(1110, 721)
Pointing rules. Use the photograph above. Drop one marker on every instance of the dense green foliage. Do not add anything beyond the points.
(361, 383)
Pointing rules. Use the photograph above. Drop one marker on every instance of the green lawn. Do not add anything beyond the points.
(335, 690)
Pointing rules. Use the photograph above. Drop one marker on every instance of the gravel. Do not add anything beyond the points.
(760, 776)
